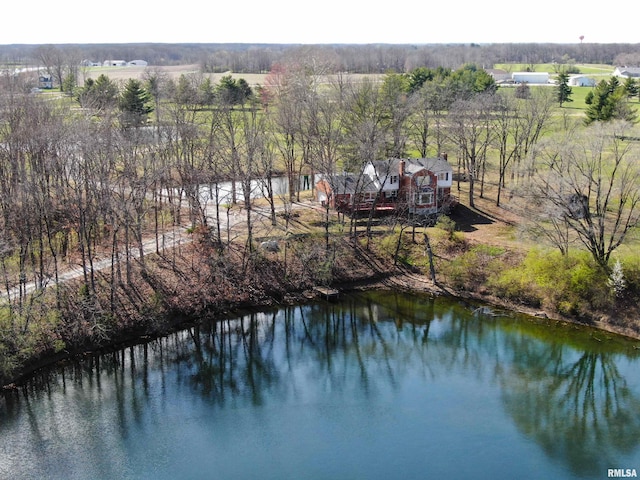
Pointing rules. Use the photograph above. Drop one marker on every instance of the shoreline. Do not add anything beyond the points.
(409, 283)
(403, 281)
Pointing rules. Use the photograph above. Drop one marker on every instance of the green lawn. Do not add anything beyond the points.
(587, 69)
(578, 95)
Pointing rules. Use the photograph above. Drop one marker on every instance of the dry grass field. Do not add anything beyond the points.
(124, 73)
(174, 72)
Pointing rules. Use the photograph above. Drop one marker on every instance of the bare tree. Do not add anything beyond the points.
(73, 59)
(54, 61)
(188, 142)
(395, 93)
(470, 130)
(156, 82)
(420, 121)
(365, 128)
(266, 168)
(518, 124)
(252, 149)
(323, 124)
(591, 181)
(506, 135)
(284, 89)
(291, 93)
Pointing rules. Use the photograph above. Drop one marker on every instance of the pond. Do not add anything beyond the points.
(378, 385)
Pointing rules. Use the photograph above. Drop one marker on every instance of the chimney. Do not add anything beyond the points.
(401, 169)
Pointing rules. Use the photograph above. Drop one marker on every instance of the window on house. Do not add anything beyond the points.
(423, 198)
(368, 196)
(443, 176)
(394, 179)
(391, 194)
(423, 181)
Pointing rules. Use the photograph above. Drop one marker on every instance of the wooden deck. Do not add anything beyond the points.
(327, 293)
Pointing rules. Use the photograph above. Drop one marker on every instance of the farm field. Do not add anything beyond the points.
(576, 106)
(585, 69)
(174, 72)
(123, 73)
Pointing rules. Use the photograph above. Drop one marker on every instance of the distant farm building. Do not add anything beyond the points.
(627, 72)
(499, 76)
(138, 63)
(114, 63)
(581, 81)
(530, 77)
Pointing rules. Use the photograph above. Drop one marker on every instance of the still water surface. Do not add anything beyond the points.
(377, 386)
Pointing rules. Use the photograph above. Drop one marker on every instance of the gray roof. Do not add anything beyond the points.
(629, 71)
(350, 183)
(412, 165)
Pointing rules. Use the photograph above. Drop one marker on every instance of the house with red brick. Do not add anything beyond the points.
(419, 186)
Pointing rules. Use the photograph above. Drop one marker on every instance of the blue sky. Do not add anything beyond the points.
(329, 21)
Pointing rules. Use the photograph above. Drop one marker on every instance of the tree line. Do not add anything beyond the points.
(373, 58)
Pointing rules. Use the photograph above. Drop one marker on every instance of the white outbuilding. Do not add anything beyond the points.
(627, 72)
(530, 77)
(581, 81)
(138, 63)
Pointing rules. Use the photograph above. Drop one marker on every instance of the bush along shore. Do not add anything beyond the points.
(168, 291)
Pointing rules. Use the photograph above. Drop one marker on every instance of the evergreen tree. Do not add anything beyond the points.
(245, 90)
(100, 94)
(69, 84)
(608, 101)
(206, 92)
(563, 90)
(631, 88)
(418, 77)
(135, 103)
(233, 92)
(470, 80)
(185, 93)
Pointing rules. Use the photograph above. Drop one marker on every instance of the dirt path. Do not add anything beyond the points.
(173, 237)
(487, 223)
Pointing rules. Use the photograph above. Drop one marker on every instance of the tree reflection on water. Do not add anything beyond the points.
(562, 389)
(572, 401)
(578, 409)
